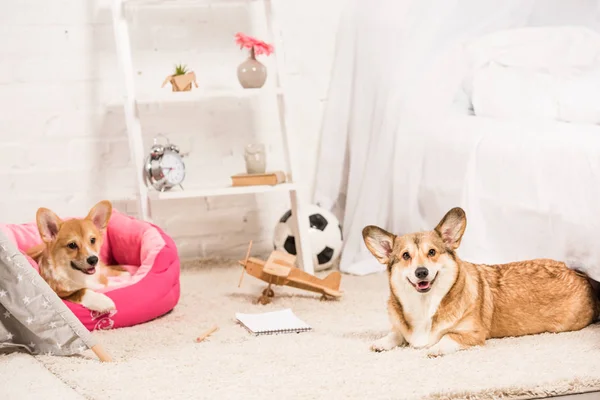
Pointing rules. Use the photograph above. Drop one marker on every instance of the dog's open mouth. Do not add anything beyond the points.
(422, 286)
(88, 271)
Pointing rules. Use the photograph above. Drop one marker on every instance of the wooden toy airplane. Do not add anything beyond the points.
(279, 270)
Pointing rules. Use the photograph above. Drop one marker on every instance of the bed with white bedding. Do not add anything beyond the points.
(530, 189)
(473, 111)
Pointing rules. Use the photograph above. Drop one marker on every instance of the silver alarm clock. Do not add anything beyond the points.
(164, 167)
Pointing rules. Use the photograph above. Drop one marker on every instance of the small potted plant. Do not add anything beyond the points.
(252, 73)
(181, 80)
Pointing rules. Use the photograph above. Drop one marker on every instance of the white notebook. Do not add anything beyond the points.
(283, 321)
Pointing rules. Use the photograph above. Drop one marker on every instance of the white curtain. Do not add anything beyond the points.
(396, 60)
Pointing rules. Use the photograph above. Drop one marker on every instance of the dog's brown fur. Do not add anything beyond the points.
(62, 256)
(468, 303)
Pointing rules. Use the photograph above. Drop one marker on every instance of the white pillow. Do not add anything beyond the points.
(502, 92)
(523, 93)
(580, 98)
(536, 73)
(557, 49)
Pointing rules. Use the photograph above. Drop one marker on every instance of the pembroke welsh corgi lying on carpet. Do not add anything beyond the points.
(69, 260)
(444, 304)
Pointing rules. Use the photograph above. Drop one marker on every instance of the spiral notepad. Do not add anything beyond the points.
(274, 322)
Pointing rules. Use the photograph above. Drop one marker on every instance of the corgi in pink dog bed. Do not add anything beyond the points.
(68, 256)
(110, 269)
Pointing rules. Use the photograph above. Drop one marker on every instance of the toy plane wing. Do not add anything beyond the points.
(280, 271)
(279, 264)
(302, 280)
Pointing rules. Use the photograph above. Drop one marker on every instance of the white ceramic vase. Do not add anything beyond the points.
(252, 74)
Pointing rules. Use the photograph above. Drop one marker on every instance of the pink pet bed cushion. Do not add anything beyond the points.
(144, 250)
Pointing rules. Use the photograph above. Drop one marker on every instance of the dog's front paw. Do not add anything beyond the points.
(386, 343)
(104, 304)
(98, 302)
(380, 345)
(445, 346)
(434, 352)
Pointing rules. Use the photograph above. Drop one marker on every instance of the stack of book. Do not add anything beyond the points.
(268, 178)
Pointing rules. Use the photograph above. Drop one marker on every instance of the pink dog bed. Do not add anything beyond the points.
(141, 247)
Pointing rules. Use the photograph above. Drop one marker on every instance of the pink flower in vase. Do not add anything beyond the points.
(252, 73)
(257, 47)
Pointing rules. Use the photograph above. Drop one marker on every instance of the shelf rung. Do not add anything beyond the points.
(186, 3)
(220, 191)
(196, 95)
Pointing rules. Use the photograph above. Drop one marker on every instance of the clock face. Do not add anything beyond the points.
(173, 168)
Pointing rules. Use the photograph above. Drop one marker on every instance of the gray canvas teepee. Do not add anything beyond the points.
(32, 317)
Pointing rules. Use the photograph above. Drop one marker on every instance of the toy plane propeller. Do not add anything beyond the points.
(279, 270)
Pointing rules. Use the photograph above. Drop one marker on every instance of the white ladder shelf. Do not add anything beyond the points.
(134, 131)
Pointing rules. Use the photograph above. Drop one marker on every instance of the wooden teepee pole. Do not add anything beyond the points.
(101, 353)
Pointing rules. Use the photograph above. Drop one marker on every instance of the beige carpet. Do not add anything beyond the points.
(159, 360)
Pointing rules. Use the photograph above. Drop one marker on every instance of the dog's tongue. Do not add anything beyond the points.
(90, 271)
(423, 285)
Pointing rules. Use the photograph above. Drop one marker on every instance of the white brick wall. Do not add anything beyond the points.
(63, 139)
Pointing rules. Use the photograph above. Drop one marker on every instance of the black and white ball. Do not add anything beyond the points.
(325, 235)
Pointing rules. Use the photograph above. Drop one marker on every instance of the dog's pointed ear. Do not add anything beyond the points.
(452, 227)
(379, 242)
(100, 214)
(48, 224)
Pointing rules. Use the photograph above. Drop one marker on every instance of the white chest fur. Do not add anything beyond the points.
(419, 309)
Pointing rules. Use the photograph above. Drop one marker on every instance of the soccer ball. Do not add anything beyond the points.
(325, 235)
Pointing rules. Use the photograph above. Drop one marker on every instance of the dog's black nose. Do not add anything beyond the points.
(421, 272)
(92, 260)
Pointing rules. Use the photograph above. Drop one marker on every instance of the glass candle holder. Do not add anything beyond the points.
(256, 160)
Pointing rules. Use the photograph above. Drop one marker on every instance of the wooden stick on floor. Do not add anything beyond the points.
(102, 355)
(207, 333)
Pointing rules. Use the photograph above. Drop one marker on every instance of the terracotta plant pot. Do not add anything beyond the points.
(252, 74)
(181, 83)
